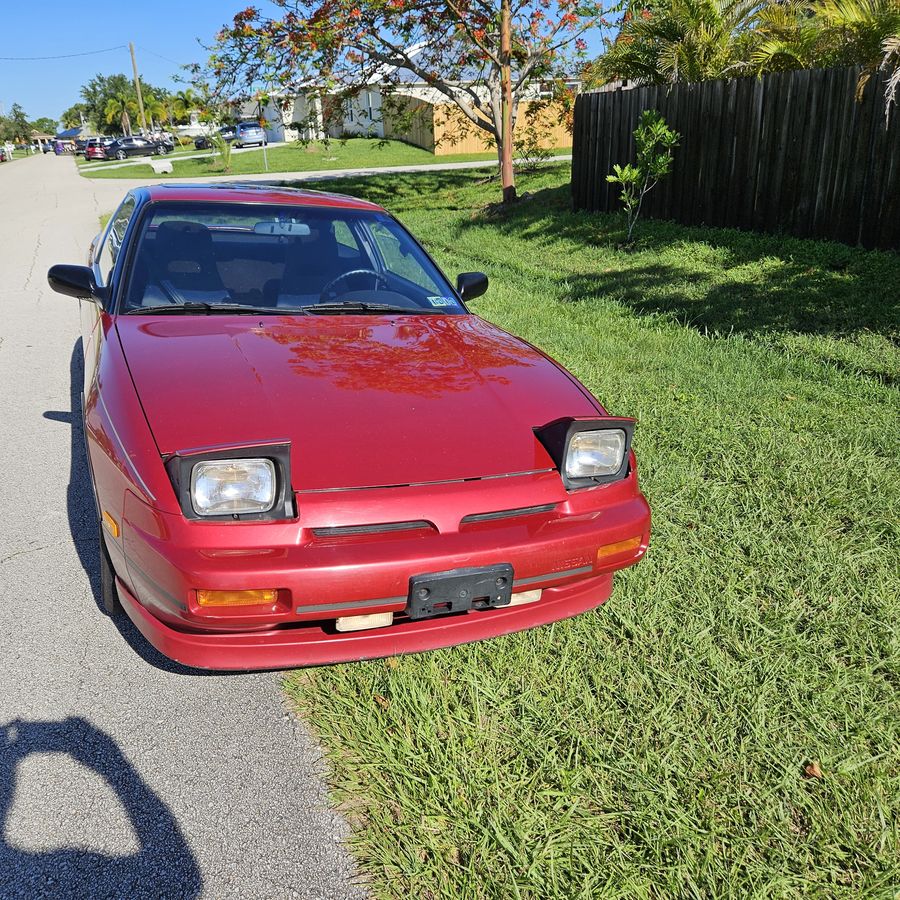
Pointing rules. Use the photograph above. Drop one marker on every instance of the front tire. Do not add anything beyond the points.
(109, 596)
(121, 154)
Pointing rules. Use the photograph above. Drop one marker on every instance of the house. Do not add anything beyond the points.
(416, 113)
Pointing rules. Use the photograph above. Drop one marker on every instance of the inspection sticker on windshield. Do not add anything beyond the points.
(442, 301)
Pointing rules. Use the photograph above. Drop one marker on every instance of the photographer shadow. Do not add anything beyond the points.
(162, 866)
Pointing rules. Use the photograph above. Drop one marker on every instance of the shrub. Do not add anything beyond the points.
(223, 149)
(655, 142)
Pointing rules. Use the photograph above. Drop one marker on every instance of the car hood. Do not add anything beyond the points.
(364, 401)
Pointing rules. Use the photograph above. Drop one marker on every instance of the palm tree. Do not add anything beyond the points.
(184, 103)
(787, 38)
(119, 109)
(891, 64)
(803, 33)
(681, 40)
(156, 109)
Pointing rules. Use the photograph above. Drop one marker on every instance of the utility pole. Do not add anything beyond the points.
(506, 164)
(137, 87)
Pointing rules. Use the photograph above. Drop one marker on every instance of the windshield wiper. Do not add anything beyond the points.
(358, 306)
(201, 308)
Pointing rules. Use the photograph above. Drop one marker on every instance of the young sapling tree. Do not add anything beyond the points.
(655, 142)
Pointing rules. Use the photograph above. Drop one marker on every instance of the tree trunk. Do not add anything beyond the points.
(507, 179)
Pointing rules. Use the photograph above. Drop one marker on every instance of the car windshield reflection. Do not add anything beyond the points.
(203, 258)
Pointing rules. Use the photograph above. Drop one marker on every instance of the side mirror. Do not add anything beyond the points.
(470, 285)
(75, 281)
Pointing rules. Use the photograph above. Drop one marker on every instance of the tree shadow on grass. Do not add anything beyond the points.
(395, 191)
(713, 279)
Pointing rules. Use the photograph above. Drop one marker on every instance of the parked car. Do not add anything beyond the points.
(4, 157)
(135, 145)
(96, 147)
(244, 134)
(80, 144)
(306, 449)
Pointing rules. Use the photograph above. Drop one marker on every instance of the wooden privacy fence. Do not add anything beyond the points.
(791, 151)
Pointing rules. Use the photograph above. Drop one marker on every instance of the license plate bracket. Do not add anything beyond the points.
(458, 590)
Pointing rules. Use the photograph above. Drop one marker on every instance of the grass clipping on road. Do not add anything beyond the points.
(727, 724)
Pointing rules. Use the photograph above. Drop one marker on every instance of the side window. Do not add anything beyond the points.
(395, 250)
(111, 246)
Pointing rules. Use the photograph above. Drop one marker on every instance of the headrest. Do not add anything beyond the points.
(182, 235)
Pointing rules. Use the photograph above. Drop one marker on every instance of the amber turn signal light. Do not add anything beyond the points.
(237, 598)
(111, 524)
(619, 547)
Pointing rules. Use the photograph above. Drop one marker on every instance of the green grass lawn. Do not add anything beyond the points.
(350, 154)
(658, 747)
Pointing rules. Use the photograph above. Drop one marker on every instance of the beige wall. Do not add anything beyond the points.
(444, 130)
(415, 123)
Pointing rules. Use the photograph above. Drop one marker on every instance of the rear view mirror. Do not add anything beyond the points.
(294, 229)
(470, 285)
(75, 281)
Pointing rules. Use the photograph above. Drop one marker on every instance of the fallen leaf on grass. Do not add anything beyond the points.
(812, 770)
(383, 702)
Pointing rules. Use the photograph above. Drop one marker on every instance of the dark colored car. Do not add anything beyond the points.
(135, 145)
(244, 134)
(305, 448)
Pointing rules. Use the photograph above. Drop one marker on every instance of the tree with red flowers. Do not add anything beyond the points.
(483, 56)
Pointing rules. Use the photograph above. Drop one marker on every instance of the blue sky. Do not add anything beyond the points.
(164, 33)
(169, 28)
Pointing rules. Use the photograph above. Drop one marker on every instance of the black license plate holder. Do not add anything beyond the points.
(459, 590)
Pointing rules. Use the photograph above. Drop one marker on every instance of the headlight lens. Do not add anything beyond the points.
(233, 486)
(594, 454)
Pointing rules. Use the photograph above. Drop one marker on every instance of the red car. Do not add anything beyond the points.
(305, 449)
(95, 148)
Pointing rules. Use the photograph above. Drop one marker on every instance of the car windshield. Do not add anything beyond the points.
(196, 258)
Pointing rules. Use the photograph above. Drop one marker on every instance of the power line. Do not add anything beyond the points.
(61, 55)
(154, 53)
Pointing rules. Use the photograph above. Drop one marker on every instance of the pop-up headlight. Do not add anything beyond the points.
(242, 483)
(588, 452)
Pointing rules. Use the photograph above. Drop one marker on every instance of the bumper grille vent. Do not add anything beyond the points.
(383, 528)
(508, 514)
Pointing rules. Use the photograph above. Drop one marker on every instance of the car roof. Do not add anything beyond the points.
(241, 192)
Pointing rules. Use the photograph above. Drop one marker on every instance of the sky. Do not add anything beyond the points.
(158, 28)
(165, 34)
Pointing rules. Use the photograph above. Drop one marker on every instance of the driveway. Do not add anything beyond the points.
(121, 774)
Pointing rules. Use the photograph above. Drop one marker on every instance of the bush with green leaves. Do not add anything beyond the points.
(223, 150)
(655, 142)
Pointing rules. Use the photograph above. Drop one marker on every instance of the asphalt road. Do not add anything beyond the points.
(121, 775)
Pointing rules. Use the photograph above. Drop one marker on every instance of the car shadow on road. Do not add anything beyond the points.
(84, 525)
(162, 866)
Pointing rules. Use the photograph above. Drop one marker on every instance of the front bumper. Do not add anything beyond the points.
(321, 576)
(314, 645)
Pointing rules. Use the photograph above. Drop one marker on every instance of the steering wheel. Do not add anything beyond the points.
(378, 276)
